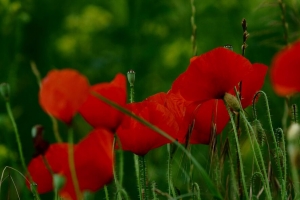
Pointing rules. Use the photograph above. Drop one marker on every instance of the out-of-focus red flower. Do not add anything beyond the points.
(57, 158)
(140, 139)
(62, 93)
(98, 113)
(207, 79)
(285, 70)
(93, 162)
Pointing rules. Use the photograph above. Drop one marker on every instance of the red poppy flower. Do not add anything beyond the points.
(57, 158)
(140, 139)
(285, 70)
(62, 93)
(211, 75)
(93, 163)
(212, 115)
(98, 113)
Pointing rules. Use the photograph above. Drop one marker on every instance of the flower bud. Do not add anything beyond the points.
(232, 102)
(293, 143)
(131, 77)
(58, 181)
(33, 187)
(37, 130)
(5, 91)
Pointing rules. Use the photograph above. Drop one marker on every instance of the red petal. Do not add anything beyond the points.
(93, 162)
(212, 74)
(98, 113)
(252, 83)
(285, 71)
(62, 93)
(56, 157)
(209, 114)
(140, 139)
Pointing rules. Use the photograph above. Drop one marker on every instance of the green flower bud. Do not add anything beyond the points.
(232, 102)
(131, 77)
(58, 181)
(37, 130)
(5, 91)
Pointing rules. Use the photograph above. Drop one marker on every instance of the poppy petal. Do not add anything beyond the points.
(93, 163)
(62, 93)
(211, 114)
(212, 74)
(285, 71)
(252, 83)
(140, 139)
(56, 156)
(98, 113)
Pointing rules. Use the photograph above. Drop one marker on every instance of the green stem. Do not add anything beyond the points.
(106, 193)
(238, 151)
(170, 181)
(16, 131)
(143, 177)
(119, 187)
(72, 163)
(257, 150)
(277, 157)
(210, 185)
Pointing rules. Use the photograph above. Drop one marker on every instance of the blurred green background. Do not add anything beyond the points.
(102, 38)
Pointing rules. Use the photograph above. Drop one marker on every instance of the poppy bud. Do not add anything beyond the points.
(5, 91)
(232, 102)
(58, 181)
(293, 139)
(33, 187)
(37, 130)
(131, 77)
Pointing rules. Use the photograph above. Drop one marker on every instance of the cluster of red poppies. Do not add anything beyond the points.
(195, 98)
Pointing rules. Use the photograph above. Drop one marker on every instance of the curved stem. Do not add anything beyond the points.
(277, 157)
(238, 151)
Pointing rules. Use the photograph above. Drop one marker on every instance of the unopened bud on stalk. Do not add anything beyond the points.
(293, 134)
(5, 91)
(37, 130)
(131, 77)
(33, 188)
(232, 102)
(58, 181)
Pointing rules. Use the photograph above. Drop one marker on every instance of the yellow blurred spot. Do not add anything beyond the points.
(173, 52)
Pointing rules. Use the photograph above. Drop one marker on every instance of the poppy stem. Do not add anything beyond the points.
(170, 181)
(53, 120)
(131, 80)
(238, 151)
(72, 163)
(143, 177)
(282, 170)
(118, 185)
(11, 116)
(153, 191)
(106, 193)
(194, 28)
